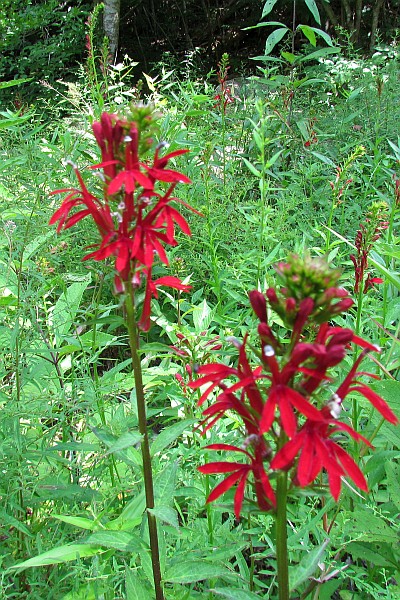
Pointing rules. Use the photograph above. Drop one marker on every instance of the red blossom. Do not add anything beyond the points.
(316, 451)
(239, 475)
(135, 222)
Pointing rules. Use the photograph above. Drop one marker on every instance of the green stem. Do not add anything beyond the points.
(209, 514)
(281, 536)
(145, 447)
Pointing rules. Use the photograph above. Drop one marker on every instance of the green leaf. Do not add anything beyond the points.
(119, 540)
(273, 159)
(390, 392)
(81, 522)
(393, 478)
(135, 588)
(7, 84)
(33, 246)
(379, 554)
(363, 525)
(128, 455)
(325, 159)
(202, 316)
(164, 485)
(166, 514)
(168, 435)
(307, 566)
(289, 56)
(234, 594)
(274, 38)
(133, 510)
(325, 36)
(309, 33)
(190, 571)
(127, 440)
(7, 519)
(251, 167)
(268, 6)
(321, 53)
(66, 307)
(312, 7)
(59, 555)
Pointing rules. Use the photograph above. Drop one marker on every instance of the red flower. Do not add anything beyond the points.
(239, 475)
(135, 222)
(317, 451)
(352, 384)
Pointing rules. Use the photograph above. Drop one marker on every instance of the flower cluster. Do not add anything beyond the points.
(367, 235)
(289, 418)
(224, 95)
(134, 218)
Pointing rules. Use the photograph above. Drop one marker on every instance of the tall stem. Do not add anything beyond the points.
(145, 447)
(281, 536)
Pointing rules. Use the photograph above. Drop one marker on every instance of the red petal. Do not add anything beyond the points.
(377, 402)
(224, 486)
(284, 458)
(239, 495)
(219, 467)
(351, 468)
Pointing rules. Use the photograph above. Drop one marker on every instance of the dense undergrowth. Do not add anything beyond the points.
(293, 164)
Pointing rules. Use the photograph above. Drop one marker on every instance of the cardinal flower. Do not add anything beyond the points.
(136, 220)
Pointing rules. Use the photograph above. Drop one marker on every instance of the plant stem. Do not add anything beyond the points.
(281, 536)
(141, 409)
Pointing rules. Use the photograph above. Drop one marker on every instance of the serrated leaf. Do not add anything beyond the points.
(128, 455)
(379, 554)
(390, 392)
(363, 525)
(190, 571)
(166, 514)
(119, 540)
(307, 566)
(59, 555)
(274, 38)
(135, 588)
(168, 435)
(393, 479)
(164, 485)
(66, 307)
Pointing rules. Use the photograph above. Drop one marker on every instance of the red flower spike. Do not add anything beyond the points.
(134, 221)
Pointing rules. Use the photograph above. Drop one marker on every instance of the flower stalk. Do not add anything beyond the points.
(279, 393)
(133, 334)
(135, 219)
